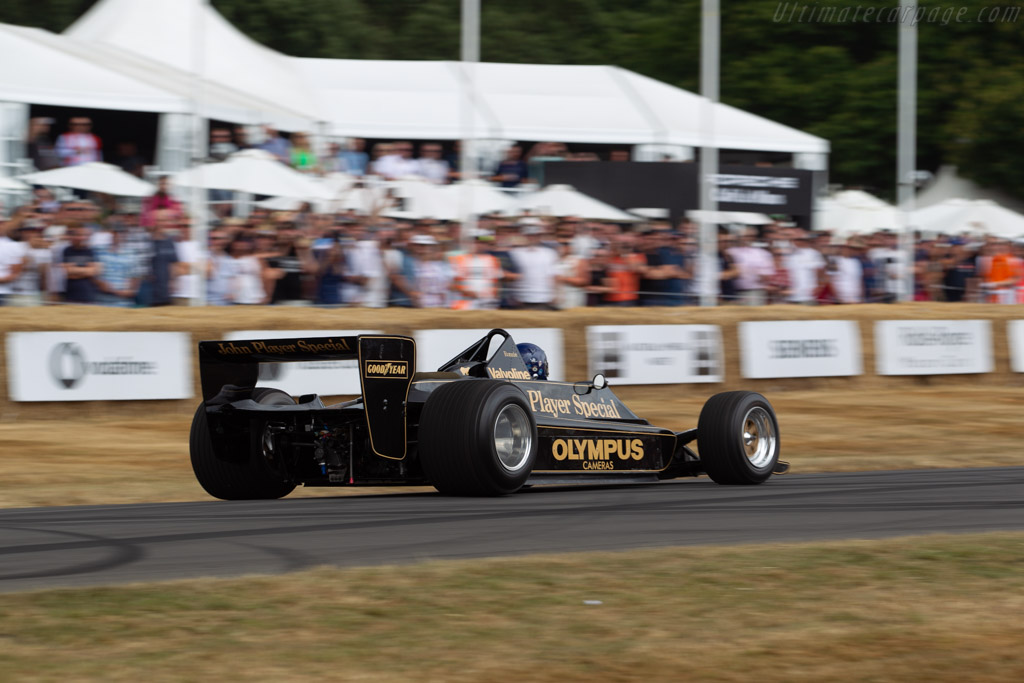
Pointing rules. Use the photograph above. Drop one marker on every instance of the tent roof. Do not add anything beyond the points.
(419, 99)
(948, 184)
(595, 104)
(58, 70)
(185, 33)
(35, 71)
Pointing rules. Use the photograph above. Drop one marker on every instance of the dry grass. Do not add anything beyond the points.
(937, 609)
(132, 460)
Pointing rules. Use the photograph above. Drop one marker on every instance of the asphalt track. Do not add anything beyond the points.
(76, 546)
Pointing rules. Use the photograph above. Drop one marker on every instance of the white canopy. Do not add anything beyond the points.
(736, 217)
(39, 67)
(854, 212)
(564, 200)
(254, 171)
(978, 217)
(12, 185)
(479, 196)
(423, 100)
(589, 104)
(183, 33)
(35, 70)
(94, 176)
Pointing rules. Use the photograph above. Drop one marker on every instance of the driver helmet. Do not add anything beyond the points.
(535, 358)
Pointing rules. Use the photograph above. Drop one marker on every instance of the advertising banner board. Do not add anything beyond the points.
(655, 354)
(98, 366)
(327, 378)
(800, 348)
(434, 348)
(1015, 330)
(933, 347)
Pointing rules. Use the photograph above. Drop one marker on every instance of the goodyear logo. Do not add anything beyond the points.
(577, 405)
(597, 454)
(390, 369)
(512, 373)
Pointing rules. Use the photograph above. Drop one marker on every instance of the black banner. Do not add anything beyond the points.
(674, 186)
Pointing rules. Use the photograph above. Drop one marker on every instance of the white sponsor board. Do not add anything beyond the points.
(933, 347)
(324, 377)
(434, 348)
(800, 348)
(655, 354)
(98, 366)
(1015, 330)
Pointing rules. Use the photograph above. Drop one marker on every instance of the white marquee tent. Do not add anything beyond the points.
(424, 100)
(39, 67)
(191, 37)
(33, 70)
(542, 102)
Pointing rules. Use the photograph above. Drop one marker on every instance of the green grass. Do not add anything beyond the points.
(938, 608)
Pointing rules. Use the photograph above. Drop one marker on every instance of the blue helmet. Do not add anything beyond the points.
(535, 358)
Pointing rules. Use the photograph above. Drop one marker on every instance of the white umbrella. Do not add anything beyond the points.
(12, 185)
(738, 217)
(563, 200)
(94, 176)
(980, 216)
(854, 212)
(476, 196)
(253, 171)
(411, 198)
(291, 204)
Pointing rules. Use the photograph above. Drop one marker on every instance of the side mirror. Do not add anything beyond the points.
(599, 382)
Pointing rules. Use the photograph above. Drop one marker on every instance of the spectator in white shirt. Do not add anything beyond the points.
(755, 266)
(537, 271)
(12, 259)
(398, 163)
(435, 278)
(846, 275)
(430, 164)
(805, 264)
(890, 267)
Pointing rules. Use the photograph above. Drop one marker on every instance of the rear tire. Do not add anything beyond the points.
(477, 438)
(738, 438)
(255, 477)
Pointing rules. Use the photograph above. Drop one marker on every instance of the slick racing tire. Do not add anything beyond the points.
(259, 476)
(738, 438)
(477, 438)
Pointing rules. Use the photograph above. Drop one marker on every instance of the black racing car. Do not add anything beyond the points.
(480, 426)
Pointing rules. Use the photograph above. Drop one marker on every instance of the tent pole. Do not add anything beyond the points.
(198, 196)
(907, 140)
(707, 270)
(467, 153)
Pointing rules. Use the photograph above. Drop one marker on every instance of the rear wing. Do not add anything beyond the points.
(236, 363)
(229, 370)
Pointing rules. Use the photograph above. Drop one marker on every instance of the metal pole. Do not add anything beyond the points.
(467, 153)
(907, 140)
(707, 270)
(198, 196)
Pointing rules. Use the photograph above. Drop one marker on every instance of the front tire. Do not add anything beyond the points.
(477, 438)
(738, 438)
(256, 477)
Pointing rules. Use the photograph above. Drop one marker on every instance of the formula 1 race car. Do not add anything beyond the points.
(481, 425)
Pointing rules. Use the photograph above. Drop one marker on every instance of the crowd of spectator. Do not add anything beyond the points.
(75, 252)
(387, 160)
(78, 252)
